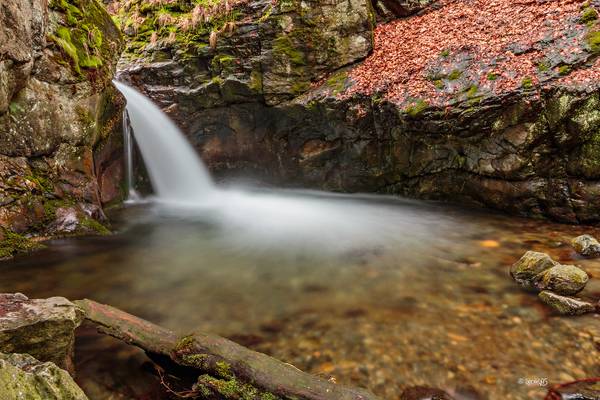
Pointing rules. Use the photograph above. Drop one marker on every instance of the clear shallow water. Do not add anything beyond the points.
(377, 292)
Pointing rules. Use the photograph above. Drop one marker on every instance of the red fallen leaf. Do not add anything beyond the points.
(405, 48)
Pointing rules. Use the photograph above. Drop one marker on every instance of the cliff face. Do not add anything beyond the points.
(60, 141)
(489, 103)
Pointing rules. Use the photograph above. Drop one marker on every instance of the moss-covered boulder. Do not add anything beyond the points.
(22, 377)
(60, 140)
(526, 271)
(43, 328)
(563, 279)
(565, 305)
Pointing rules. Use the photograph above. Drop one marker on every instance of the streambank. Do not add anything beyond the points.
(60, 118)
(426, 105)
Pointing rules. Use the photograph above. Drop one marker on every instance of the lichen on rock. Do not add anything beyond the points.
(42, 328)
(22, 377)
(566, 305)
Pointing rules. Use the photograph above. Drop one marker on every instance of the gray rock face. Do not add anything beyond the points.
(60, 129)
(586, 245)
(563, 279)
(44, 328)
(566, 305)
(527, 269)
(22, 377)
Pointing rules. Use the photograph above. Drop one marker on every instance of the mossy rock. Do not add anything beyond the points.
(527, 269)
(563, 279)
(24, 377)
(12, 243)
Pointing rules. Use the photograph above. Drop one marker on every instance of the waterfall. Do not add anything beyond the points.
(132, 194)
(175, 170)
(263, 219)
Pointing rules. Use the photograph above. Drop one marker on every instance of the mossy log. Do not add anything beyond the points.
(227, 369)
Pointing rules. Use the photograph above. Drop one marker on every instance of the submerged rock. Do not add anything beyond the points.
(22, 377)
(424, 393)
(566, 305)
(586, 245)
(42, 328)
(527, 269)
(563, 279)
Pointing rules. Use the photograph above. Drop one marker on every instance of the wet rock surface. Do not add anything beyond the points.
(563, 279)
(529, 267)
(586, 245)
(59, 114)
(44, 328)
(22, 377)
(566, 305)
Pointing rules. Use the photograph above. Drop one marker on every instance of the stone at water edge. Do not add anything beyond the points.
(579, 391)
(424, 393)
(563, 279)
(43, 328)
(566, 305)
(22, 377)
(528, 268)
(586, 245)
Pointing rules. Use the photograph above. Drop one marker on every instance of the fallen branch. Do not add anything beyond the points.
(226, 369)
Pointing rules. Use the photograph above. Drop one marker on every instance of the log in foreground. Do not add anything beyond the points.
(227, 369)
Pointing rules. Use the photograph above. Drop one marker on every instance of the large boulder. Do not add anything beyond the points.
(22, 377)
(43, 328)
(60, 129)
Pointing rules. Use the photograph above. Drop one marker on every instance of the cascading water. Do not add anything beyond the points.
(132, 194)
(269, 220)
(176, 172)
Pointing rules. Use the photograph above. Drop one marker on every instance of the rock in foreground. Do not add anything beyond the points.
(563, 279)
(22, 377)
(527, 269)
(586, 245)
(424, 393)
(42, 328)
(566, 305)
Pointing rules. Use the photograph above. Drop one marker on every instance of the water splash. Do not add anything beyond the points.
(268, 221)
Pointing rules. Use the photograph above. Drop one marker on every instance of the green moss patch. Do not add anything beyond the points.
(593, 41)
(80, 35)
(416, 108)
(12, 243)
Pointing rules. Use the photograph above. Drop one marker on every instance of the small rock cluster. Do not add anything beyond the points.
(36, 348)
(555, 282)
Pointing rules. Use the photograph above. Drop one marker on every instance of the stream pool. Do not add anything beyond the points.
(372, 291)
